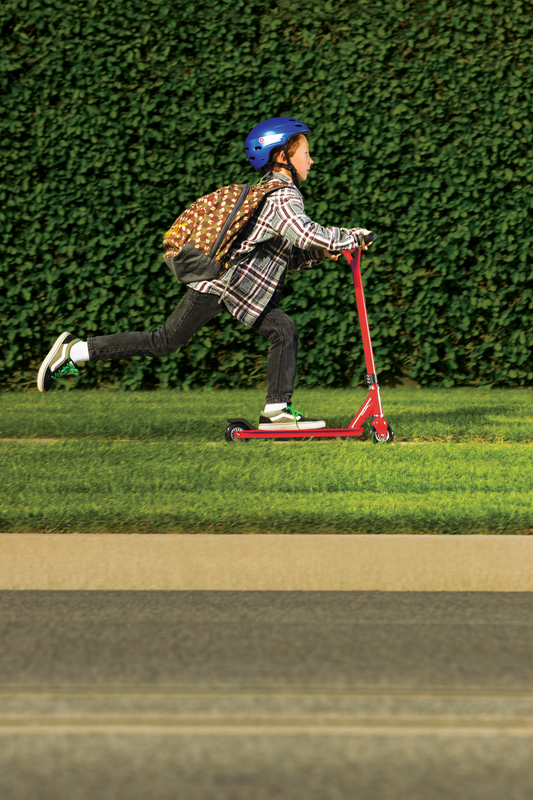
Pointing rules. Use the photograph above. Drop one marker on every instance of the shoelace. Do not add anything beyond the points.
(66, 369)
(294, 413)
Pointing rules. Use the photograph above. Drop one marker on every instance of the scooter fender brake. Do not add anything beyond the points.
(380, 425)
(245, 425)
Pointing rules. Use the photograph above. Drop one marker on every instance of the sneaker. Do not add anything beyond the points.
(289, 419)
(57, 363)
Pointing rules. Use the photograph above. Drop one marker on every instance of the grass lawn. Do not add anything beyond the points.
(157, 461)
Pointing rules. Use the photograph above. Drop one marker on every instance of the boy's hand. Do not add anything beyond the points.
(365, 246)
(335, 256)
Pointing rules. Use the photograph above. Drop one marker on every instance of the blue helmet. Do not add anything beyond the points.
(270, 134)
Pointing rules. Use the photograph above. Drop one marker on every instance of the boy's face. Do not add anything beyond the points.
(302, 160)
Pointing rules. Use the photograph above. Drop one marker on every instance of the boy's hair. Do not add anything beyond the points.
(292, 145)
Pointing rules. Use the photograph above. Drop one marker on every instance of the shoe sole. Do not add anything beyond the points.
(302, 426)
(55, 357)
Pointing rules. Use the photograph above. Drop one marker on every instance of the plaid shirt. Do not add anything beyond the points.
(279, 236)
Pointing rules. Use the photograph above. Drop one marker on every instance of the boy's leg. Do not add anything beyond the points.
(191, 314)
(282, 333)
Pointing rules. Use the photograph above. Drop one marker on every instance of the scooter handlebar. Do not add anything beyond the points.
(361, 240)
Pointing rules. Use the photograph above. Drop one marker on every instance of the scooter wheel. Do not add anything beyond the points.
(375, 437)
(230, 431)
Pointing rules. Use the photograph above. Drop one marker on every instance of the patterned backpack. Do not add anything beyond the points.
(199, 244)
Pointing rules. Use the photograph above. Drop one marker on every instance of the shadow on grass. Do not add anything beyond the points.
(409, 423)
(478, 414)
(458, 424)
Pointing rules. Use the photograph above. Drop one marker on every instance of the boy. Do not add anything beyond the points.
(279, 237)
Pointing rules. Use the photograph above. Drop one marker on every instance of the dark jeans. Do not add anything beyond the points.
(192, 314)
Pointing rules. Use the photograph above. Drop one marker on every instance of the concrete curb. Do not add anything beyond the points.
(272, 562)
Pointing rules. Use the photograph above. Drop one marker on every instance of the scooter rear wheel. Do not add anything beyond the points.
(230, 431)
(375, 437)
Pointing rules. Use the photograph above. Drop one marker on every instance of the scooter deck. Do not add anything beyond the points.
(316, 433)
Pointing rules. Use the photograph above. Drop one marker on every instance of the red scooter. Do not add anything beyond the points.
(380, 430)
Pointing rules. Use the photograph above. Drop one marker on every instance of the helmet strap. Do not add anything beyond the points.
(275, 164)
(291, 167)
(288, 165)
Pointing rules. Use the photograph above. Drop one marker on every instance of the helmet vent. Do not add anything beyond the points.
(257, 148)
(298, 126)
(252, 158)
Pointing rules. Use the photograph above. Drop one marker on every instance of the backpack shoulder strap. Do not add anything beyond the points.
(220, 238)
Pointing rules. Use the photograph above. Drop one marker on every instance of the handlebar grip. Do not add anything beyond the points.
(361, 241)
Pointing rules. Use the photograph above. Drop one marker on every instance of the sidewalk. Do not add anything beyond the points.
(263, 562)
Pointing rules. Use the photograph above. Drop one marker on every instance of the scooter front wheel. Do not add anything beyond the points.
(376, 438)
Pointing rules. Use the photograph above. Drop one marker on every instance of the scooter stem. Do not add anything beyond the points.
(355, 264)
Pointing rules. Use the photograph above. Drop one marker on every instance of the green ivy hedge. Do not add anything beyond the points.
(117, 115)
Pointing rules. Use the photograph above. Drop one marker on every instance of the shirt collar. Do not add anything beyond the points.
(277, 176)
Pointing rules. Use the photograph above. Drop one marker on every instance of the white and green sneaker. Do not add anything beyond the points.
(288, 419)
(58, 362)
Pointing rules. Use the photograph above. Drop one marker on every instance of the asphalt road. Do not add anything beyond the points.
(256, 695)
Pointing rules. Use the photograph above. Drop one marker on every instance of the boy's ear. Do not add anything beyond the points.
(279, 156)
